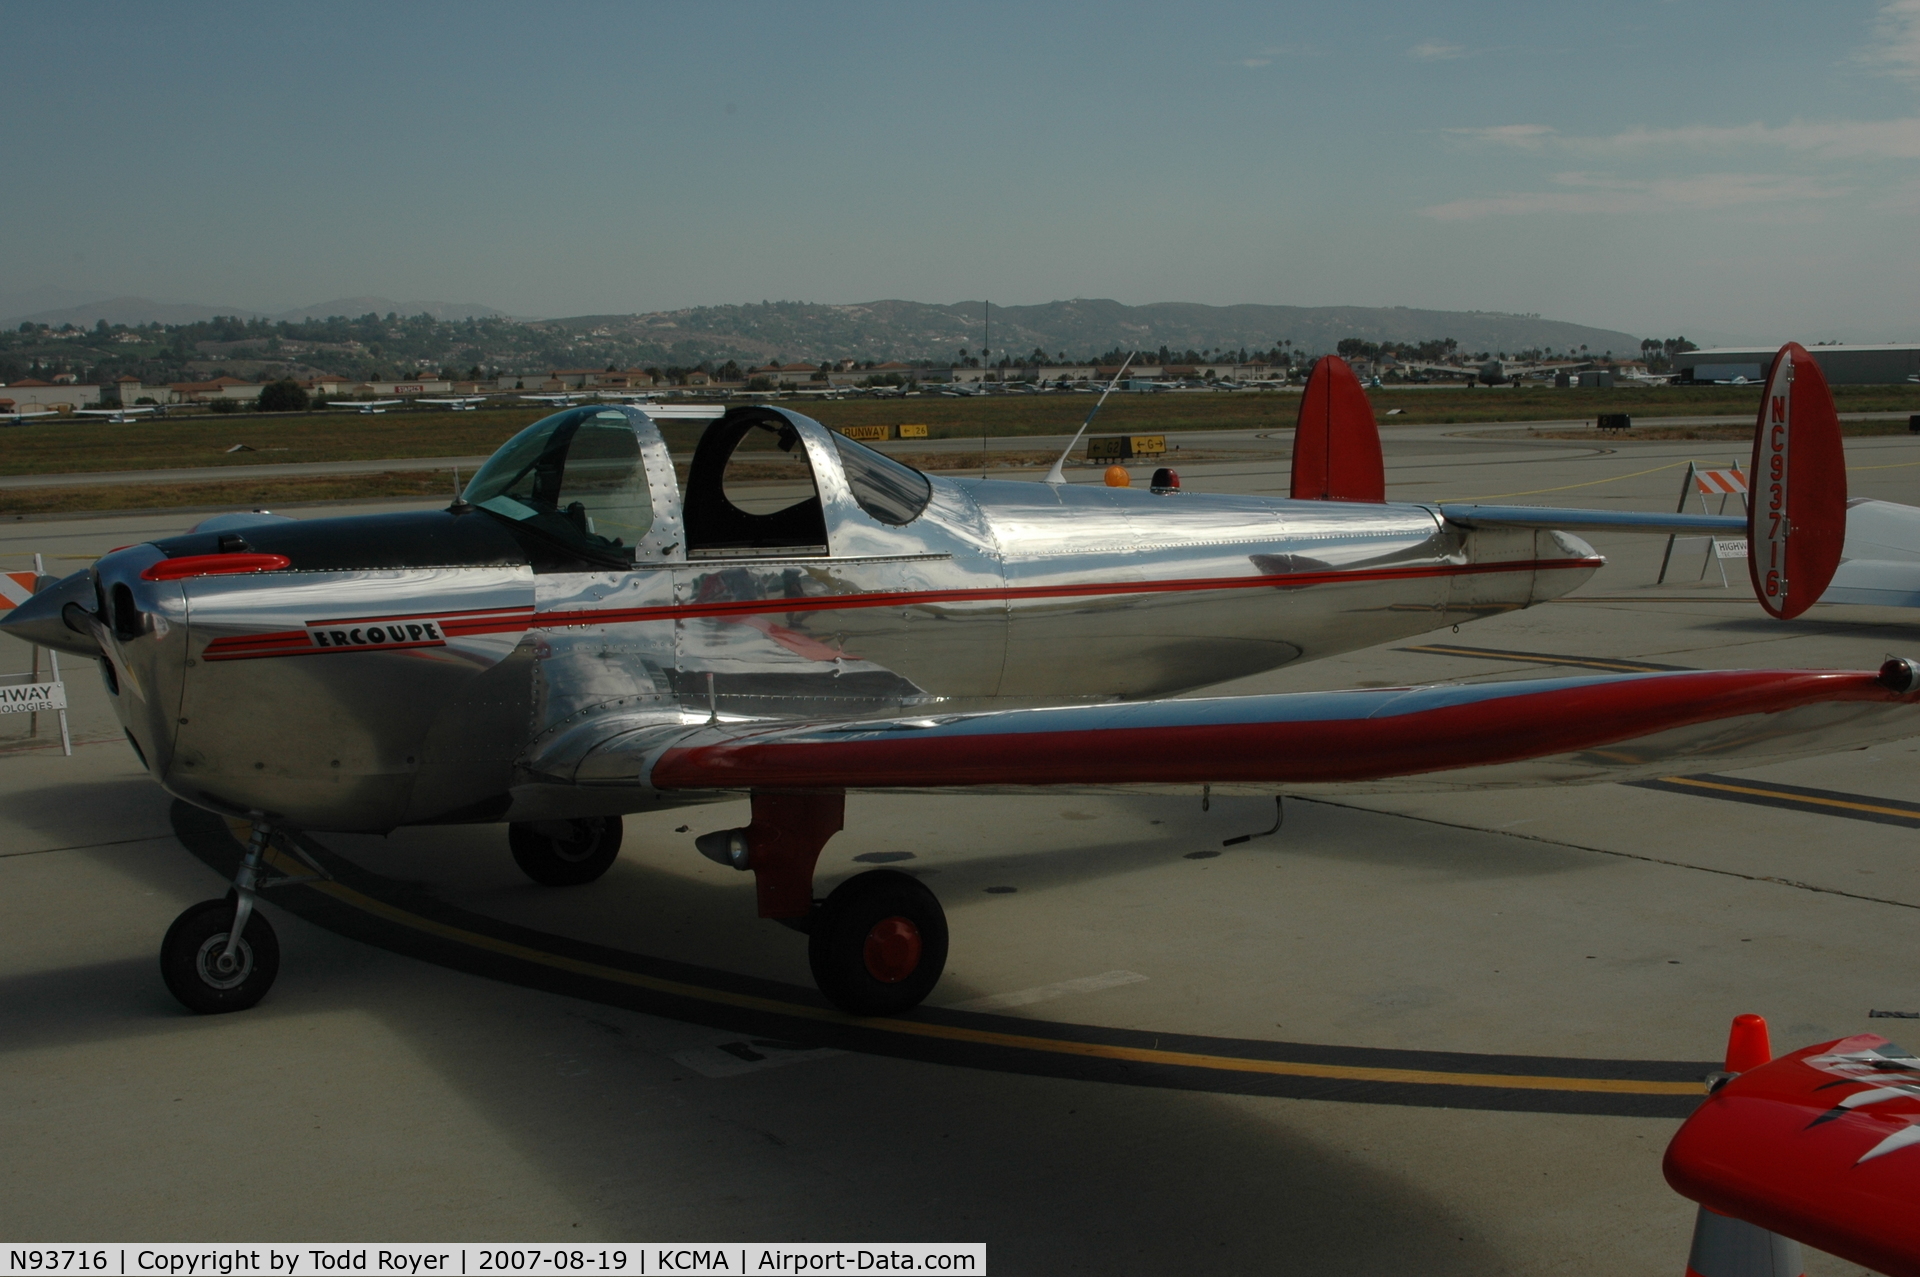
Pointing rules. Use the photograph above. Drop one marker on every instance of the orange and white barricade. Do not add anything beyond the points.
(1702, 483)
(29, 693)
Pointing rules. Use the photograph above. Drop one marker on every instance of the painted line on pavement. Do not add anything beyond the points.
(1817, 802)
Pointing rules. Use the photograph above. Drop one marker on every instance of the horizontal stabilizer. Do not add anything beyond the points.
(1527, 516)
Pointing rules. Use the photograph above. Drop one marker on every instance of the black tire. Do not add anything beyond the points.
(565, 853)
(194, 944)
(865, 966)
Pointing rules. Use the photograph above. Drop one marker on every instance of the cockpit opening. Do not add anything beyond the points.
(748, 470)
(576, 478)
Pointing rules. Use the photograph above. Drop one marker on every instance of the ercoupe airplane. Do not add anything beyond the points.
(458, 403)
(365, 406)
(575, 638)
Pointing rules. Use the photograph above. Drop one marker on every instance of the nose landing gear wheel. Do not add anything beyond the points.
(565, 853)
(198, 971)
(878, 944)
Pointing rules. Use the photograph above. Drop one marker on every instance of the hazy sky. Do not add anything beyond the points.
(1742, 168)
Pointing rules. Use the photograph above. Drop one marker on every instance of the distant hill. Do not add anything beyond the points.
(130, 310)
(144, 310)
(1078, 328)
(17, 303)
(354, 307)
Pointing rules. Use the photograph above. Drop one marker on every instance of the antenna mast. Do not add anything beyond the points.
(1059, 472)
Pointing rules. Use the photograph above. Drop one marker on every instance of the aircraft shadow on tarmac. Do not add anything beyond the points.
(406, 919)
(1055, 1174)
(1822, 624)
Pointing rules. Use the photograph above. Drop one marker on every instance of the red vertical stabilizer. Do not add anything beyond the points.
(1797, 517)
(1336, 444)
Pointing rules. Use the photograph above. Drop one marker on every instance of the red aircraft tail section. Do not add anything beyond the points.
(1336, 444)
(1822, 1146)
(1797, 522)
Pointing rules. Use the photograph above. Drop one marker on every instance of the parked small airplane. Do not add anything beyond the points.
(557, 401)
(118, 414)
(1497, 372)
(458, 403)
(365, 405)
(576, 637)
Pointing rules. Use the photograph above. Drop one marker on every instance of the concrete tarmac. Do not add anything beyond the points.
(393, 1089)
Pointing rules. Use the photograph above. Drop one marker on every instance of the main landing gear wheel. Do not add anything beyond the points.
(565, 853)
(203, 974)
(878, 944)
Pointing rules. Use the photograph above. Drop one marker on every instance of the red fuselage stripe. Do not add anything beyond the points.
(513, 620)
(838, 602)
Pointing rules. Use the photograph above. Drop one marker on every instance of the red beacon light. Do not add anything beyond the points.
(1165, 480)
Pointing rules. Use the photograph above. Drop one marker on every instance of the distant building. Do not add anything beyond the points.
(218, 388)
(1843, 365)
(30, 394)
(787, 374)
(342, 388)
(626, 379)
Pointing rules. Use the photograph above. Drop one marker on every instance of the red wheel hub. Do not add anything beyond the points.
(892, 951)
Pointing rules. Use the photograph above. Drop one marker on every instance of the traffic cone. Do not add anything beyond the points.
(1748, 1046)
(1727, 1247)
(1722, 1245)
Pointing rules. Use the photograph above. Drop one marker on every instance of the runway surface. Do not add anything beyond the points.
(1443, 1034)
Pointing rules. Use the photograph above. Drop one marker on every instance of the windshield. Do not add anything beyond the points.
(576, 477)
(891, 491)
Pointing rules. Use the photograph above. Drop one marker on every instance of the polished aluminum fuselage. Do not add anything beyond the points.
(499, 692)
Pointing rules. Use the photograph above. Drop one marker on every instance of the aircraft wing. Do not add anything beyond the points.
(1822, 1145)
(1444, 737)
(691, 411)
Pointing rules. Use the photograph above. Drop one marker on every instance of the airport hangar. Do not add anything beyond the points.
(1844, 365)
